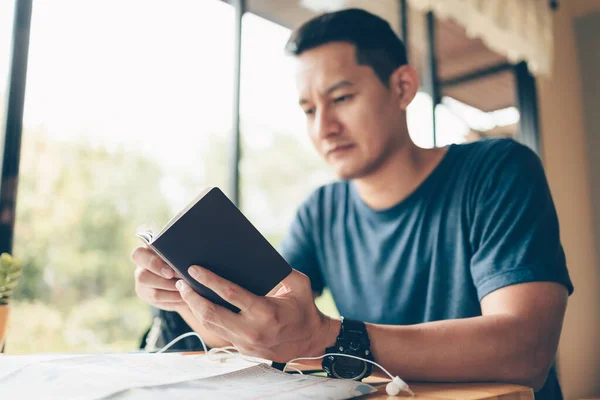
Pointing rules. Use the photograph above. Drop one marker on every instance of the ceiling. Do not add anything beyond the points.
(580, 8)
(457, 54)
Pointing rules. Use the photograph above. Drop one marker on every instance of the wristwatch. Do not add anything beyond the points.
(352, 340)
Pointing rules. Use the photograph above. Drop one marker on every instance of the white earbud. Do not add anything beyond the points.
(396, 386)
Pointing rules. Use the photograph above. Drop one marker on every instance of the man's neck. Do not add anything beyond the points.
(399, 176)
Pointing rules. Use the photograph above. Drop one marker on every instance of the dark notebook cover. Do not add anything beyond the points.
(213, 233)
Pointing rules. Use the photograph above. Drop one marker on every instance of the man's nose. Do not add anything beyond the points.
(326, 124)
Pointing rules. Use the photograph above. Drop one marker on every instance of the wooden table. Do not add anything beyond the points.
(443, 391)
(447, 391)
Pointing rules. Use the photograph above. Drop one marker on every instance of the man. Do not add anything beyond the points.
(451, 256)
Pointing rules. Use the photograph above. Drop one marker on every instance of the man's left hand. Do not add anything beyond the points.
(276, 327)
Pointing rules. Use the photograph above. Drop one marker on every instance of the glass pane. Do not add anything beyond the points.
(459, 122)
(6, 27)
(127, 117)
(279, 168)
(420, 123)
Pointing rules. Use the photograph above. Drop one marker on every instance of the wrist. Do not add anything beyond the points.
(326, 336)
(323, 337)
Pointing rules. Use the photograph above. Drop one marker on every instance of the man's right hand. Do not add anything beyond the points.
(154, 283)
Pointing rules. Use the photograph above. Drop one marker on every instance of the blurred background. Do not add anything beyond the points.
(118, 113)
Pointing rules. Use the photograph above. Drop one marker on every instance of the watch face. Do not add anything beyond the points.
(349, 368)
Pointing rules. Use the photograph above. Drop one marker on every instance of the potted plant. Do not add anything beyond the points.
(10, 271)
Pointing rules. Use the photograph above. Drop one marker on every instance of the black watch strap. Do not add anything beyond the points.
(354, 333)
(352, 340)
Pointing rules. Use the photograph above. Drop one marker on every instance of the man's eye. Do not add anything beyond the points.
(309, 111)
(342, 99)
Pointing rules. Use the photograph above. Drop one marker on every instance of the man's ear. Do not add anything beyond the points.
(404, 82)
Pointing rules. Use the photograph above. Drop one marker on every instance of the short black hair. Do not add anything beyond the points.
(376, 43)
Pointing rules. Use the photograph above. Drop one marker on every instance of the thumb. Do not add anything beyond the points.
(295, 281)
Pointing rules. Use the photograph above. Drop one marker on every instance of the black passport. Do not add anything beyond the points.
(213, 233)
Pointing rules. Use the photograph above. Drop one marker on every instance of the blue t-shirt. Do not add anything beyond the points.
(482, 220)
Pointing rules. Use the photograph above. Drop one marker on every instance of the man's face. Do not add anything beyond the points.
(353, 119)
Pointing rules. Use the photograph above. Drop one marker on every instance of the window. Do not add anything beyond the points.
(6, 27)
(127, 117)
(279, 167)
(124, 124)
(418, 118)
(459, 122)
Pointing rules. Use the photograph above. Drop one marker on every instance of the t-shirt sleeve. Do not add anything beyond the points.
(515, 232)
(298, 246)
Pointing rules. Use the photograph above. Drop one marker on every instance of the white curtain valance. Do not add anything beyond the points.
(521, 30)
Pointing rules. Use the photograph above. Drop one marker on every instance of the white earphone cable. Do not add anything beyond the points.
(180, 337)
(337, 354)
(402, 385)
(394, 387)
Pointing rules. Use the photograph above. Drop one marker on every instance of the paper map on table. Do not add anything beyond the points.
(159, 376)
(258, 382)
(96, 376)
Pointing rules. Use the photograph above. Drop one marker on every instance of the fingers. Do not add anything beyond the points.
(207, 312)
(147, 259)
(153, 282)
(296, 282)
(157, 296)
(149, 279)
(296, 279)
(275, 290)
(223, 333)
(229, 291)
(165, 300)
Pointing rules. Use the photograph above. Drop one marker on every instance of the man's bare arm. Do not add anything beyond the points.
(514, 341)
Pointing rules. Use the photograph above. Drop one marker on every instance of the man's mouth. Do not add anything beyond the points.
(339, 149)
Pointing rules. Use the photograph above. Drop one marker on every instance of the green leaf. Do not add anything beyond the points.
(10, 271)
(8, 285)
(6, 258)
(13, 275)
(15, 267)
